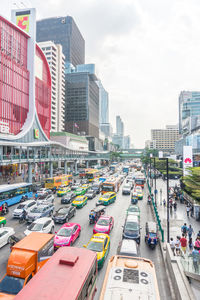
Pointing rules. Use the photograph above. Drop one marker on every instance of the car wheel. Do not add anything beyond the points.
(51, 213)
(66, 220)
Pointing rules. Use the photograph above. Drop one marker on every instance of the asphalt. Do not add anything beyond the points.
(118, 211)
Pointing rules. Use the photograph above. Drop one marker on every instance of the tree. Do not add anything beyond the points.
(192, 183)
(145, 158)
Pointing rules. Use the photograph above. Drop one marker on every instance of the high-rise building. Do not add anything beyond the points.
(63, 31)
(164, 139)
(82, 101)
(189, 112)
(103, 104)
(56, 61)
(127, 142)
(119, 126)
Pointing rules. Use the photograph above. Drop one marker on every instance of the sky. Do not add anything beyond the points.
(145, 52)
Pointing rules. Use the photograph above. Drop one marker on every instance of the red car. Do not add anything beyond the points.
(104, 225)
(66, 235)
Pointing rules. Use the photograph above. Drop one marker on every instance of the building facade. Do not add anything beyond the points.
(56, 61)
(164, 139)
(63, 31)
(119, 126)
(103, 104)
(82, 102)
(70, 140)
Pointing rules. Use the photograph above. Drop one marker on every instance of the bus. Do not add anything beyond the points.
(130, 278)
(91, 174)
(55, 182)
(111, 185)
(71, 273)
(126, 169)
(12, 193)
(140, 180)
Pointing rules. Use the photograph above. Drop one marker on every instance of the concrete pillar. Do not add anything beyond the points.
(29, 172)
(75, 166)
(87, 164)
(65, 167)
(51, 169)
(99, 162)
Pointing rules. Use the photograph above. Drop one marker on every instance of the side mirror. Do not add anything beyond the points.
(84, 246)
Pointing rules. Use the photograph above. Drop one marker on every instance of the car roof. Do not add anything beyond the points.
(2, 229)
(69, 225)
(27, 202)
(129, 246)
(132, 218)
(42, 220)
(105, 217)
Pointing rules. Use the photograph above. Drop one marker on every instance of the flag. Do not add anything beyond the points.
(75, 125)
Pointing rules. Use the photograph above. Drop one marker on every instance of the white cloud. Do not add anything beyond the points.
(146, 52)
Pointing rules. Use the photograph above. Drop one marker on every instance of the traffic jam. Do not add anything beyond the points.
(38, 219)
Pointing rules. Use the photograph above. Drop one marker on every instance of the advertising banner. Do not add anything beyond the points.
(187, 159)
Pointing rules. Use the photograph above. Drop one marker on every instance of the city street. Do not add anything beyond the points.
(118, 211)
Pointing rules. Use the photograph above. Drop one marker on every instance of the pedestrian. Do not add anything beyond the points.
(188, 210)
(197, 244)
(172, 245)
(190, 231)
(196, 259)
(178, 246)
(183, 241)
(175, 205)
(184, 229)
(164, 202)
(198, 234)
(191, 211)
(190, 244)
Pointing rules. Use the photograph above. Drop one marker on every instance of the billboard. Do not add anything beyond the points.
(22, 20)
(187, 159)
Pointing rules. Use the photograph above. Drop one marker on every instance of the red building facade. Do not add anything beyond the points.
(14, 82)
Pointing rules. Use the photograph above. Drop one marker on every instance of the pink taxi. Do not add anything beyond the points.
(66, 235)
(104, 225)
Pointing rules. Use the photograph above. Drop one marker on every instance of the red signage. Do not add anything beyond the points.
(188, 160)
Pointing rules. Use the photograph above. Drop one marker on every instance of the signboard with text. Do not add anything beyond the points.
(187, 159)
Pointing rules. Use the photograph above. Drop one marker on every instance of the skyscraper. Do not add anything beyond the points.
(63, 31)
(103, 104)
(82, 101)
(56, 61)
(119, 126)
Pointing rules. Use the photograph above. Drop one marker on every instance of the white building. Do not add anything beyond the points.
(56, 61)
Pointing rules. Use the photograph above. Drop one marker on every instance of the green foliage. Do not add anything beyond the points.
(146, 155)
(192, 183)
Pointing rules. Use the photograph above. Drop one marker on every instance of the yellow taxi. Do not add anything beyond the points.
(63, 190)
(99, 243)
(80, 201)
(85, 186)
(106, 199)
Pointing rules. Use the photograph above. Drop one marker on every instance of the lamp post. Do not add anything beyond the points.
(167, 171)
(155, 191)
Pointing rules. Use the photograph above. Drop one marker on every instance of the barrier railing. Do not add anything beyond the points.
(155, 208)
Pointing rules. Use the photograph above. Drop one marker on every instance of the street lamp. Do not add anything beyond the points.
(155, 191)
(167, 171)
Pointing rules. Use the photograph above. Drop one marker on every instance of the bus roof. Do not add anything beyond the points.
(61, 277)
(9, 187)
(34, 241)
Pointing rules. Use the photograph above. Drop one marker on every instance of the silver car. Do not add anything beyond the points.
(39, 212)
(49, 199)
(26, 205)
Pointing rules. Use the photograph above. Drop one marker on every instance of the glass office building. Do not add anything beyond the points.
(63, 31)
(82, 102)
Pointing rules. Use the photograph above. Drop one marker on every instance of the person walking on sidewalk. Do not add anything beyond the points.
(164, 202)
(188, 210)
(190, 231)
(190, 244)
(178, 246)
(175, 205)
(183, 241)
(196, 259)
(184, 229)
(172, 245)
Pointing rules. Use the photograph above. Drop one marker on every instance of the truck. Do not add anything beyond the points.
(26, 259)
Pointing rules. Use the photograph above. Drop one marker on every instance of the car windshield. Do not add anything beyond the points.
(95, 246)
(152, 234)
(131, 226)
(42, 197)
(64, 232)
(103, 222)
(21, 206)
(133, 209)
(127, 187)
(106, 196)
(62, 211)
(35, 227)
(108, 188)
(11, 285)
(37, 210)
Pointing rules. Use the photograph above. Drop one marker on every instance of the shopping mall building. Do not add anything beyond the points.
(25, 101)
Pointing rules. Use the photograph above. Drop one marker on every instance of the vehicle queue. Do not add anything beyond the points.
(103, 225)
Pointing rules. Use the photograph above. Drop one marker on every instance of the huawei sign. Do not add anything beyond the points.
(188, 160)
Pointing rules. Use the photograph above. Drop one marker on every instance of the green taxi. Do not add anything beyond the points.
(107, 199)
(63, 190)
(99, 243)
(79, 201)
(80, 191)
(2, 221)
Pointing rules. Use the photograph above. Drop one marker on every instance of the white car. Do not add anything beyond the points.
(45, 225)
(5, 234)
(42, 191)
(27, 205)
(49, 199)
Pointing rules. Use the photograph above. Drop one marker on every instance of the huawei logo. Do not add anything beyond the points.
(188, 160)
